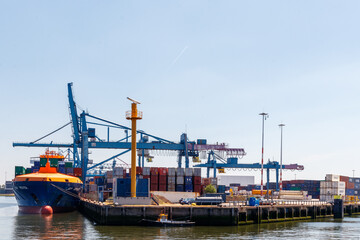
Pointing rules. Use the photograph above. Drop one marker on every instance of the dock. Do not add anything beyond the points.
(210, 215)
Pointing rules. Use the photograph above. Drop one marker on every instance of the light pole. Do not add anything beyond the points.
(281, 141)
(264, 117)
(353, 173)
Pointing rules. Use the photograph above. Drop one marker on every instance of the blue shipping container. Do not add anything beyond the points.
(189, 188)
(99, 181)
(179, 188)
(124, 187)
(37, 164)
(357, 186)
(188, 180)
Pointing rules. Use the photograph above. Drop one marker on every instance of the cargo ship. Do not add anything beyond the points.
(46, 190)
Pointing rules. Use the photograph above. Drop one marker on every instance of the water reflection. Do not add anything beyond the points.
(36, 226)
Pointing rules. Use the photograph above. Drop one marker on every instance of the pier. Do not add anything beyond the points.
(210, 215)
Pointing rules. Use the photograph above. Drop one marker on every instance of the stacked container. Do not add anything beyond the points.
(146, 173)
(171, 181)
(162, 178)
(331, 186)
(197, 180)
(118, 172)
(180, 173)
(154, 179)
(61, 167)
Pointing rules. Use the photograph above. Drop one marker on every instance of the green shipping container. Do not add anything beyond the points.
(68, 164)
(19, 170)
(54, 162)
(28, 170)
(43, 162)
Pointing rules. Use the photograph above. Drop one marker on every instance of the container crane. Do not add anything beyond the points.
(233, 163)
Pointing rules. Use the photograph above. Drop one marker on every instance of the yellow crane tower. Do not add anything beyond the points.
(133, 115)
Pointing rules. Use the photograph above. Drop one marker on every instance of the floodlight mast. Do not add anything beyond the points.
(264, 117)
(281, 143)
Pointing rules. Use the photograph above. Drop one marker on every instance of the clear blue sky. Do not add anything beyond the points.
(207, 67)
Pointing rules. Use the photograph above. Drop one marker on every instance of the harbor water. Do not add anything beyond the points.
(73, 225)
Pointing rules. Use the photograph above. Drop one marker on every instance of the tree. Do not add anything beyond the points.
(210, 189)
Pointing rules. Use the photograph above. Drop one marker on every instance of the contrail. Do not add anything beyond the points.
(181, 53)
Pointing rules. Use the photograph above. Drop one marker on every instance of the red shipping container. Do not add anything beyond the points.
(205, 181)
(162, 187)
(154, 171)
(163, 171)
(296, 181)
(154, 187)
(344, 179)
(146, 177)
(154, 179)
(162, 179)
(197, 188)
(77, 171)
(350, 185)
(197, 180)
(139, 171)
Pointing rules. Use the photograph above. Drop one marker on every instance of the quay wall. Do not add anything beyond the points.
(209, 215)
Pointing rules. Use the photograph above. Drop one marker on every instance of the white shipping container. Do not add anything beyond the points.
(338, 191)
(146, 171)
(338, 185)
(172, 172)
(180, 172)
(189, 172)
(242, 180)
(118, 171)
(332, 177)
(322, 184)
(180, 180)
(328, 184)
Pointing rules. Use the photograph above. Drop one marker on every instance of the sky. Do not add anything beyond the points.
(207, 68)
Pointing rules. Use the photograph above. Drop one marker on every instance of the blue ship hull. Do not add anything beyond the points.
(33, 195)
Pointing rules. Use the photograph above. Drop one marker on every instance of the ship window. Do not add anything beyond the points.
(66, 180)
(27, 179)
(49, 179)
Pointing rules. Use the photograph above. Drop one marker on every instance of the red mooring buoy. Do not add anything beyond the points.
(46, 210)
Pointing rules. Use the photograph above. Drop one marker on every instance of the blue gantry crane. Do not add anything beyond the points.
(85, 138)
(215, 161)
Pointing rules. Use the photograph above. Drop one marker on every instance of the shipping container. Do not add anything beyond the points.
(189, 172)
(198, 188)
(69, 164)
(205, 181)
(154, 187)
(69, 171)
(188, 181)
(43, 162)
(139, 171)
(179, 188)
(162, 179)
(172, 172)
(154, 171)
(171, 180)
(19, 170)
(146, 171)
(332, 177)
(53, 162)
(197, 180)
(37, 164)
(189, 188)
(180, 180)
(154, 179)
(162, 187)
(197, 172)
(163, 171)
(118, 172)
(180, 172)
